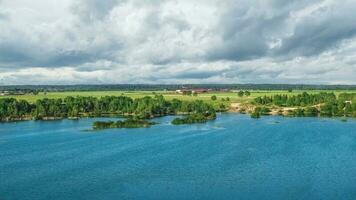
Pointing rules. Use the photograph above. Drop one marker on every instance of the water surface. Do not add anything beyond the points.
(234, 157)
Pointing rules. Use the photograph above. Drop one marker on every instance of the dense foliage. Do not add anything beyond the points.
(129, 123)
(142, 108)
(325, 104)
(195, 118)
(304, 112)
(240, 93)
(243, 93)
(258, 111)
(296, 100)
(255, 115)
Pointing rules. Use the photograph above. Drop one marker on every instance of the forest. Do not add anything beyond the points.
(75, 107)
(325, 104)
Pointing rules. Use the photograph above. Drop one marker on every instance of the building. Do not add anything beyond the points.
(192, 91)
(4, 93)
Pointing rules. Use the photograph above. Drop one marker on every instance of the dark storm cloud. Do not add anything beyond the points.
(247, 29)
(241, 34)
(320, 32)
(11, 54)
(18, 57)
(68, 58)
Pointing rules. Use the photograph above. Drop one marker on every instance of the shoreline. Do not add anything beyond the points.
(119, 116)
(278, 111)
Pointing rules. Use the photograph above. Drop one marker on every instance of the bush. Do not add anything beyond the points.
(255, 115)
(194, 118)
(262, 110)
(311, 111)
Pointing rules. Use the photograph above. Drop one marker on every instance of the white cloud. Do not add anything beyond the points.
(169, 41)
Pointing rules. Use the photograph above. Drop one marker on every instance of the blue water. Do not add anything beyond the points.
(234, 157)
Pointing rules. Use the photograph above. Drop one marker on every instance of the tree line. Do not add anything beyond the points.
(325, 104)
(142, 108)
(303, 99)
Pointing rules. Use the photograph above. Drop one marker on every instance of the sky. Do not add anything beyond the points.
(177, 41)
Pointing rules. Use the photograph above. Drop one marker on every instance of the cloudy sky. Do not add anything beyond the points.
(177, 41)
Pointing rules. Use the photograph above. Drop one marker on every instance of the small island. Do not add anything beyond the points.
(195, 118)
(129, 123)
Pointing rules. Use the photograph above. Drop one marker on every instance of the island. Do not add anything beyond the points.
(195, 118)
(129, 123)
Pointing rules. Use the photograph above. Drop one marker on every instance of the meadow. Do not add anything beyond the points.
(169, 95)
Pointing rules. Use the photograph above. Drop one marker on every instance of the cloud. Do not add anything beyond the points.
(3, 16)
(168, 41)
(92, 10)
(320, 29)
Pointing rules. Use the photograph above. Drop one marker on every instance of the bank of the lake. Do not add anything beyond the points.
(232, 157)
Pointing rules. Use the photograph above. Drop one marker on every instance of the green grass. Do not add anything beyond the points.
(171, 95)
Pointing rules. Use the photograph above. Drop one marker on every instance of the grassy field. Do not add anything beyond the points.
(170, 95)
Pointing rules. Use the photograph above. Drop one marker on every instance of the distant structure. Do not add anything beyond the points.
(4, 93)
(199, 90)
(192, 91)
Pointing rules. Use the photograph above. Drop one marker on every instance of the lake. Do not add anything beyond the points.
(233, 157)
